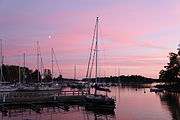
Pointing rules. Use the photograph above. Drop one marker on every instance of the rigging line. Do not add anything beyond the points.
(90, 54)
(104, 51)
(92, 64)
(56, 62)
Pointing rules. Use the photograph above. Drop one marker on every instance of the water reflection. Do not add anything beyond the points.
(101, 112)
(132, 103)
(171, 101)
(75, 112)
(99, 115)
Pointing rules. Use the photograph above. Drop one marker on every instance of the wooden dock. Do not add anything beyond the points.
(62, 97)
(36, 101)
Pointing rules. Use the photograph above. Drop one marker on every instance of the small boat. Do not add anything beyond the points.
(7, 88)
(40, 87)
(157, 90)
(50, 87)
(27, 87)
(102, 89)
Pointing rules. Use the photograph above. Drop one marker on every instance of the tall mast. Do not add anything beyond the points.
(24, 67)
(19, 70)
(96, 49)
(42, 74)
(52, 62)
(37, 61)
(118, 72)
(1, 63)
(74, 71)
(119, 76)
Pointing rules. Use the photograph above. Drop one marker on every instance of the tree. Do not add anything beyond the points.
(172, 70)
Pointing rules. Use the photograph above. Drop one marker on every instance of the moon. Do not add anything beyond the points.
(49, 37)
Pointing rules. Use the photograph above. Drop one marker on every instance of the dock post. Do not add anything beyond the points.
(4, 98)
(54, 98)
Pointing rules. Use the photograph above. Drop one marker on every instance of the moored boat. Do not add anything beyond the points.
(95, 100)
(157, 90)
(8, 88)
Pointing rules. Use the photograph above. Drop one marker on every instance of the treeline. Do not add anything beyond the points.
(171, 71)
(124, 79)
(14, 74)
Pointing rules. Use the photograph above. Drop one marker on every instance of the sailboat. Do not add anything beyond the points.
(40, 86)
(51, 86)
(5, 86)
(97, 101)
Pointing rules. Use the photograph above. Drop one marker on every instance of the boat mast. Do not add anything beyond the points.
(96, 53)
(74, 71)
(24, 68)
(40, 66)
(119, 76)
(52, 63)
(1, 63)
(42, 69)
(37, 62)
(19, 71)
(96, 49)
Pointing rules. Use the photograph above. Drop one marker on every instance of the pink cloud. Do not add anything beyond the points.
(122, 25)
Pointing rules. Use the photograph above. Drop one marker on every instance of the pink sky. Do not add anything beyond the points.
(136, 35)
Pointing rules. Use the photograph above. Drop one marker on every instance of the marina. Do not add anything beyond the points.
(89, 60)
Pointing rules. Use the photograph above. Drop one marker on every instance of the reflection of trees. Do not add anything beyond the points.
(172, 100)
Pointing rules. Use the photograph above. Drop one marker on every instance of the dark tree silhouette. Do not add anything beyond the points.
(171, 73)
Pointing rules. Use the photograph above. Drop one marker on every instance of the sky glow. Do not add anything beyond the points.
(135, 35)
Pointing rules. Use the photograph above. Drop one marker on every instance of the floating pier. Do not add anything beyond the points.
(37, 101)
(41, 97)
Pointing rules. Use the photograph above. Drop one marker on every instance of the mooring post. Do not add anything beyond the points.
(4, 98)
(54, 98)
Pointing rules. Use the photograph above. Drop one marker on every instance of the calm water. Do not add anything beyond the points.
(131, 104)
